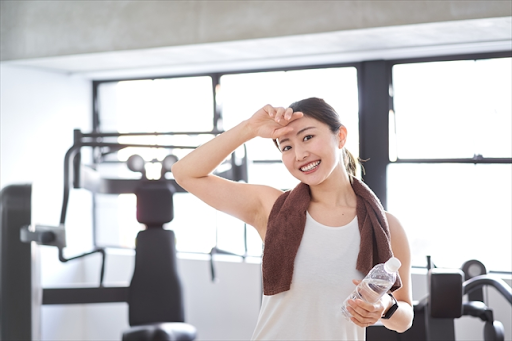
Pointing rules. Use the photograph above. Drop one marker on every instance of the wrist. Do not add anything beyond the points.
(248, 132)
(392, 307)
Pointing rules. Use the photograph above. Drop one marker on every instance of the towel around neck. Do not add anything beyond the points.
(285, 228)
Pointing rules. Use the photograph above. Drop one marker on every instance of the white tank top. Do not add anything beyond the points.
(322, 278)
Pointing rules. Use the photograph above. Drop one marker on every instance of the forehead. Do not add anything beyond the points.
(302, 123)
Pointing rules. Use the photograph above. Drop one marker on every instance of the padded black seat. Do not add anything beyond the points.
(170, 331)
(155, 295)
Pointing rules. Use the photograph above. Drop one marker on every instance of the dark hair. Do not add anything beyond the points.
(321, 111)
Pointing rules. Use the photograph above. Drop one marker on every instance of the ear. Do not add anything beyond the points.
(342, 136)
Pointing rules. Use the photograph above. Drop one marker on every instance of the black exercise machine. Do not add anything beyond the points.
(154, 297)
(434, 315)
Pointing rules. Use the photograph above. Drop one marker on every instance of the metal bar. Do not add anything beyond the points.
(266, 161)
(374, 82)
(452, 57)
(94, 135)
(65, 198)
(125, 145)
(95, 110)
(85, 295)
(473, 160)
(120, 186)
(254, 70)
(217, 110)
(479, 281)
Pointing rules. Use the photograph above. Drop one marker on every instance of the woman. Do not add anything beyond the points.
(319, 238)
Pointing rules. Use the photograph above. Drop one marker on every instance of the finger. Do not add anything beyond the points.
(288, 114)
(356, 310)
(296, 115)
(362, 314)
(270, 110)
(279, 114)
(368, 308)
(362, 320)
(363, 324)
(281, 131)
(356, 281)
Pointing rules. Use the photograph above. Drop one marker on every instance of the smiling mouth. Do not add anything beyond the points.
(310, 166)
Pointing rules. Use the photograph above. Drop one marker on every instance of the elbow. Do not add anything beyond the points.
(177, 173)
(406, 326)
(403, 330)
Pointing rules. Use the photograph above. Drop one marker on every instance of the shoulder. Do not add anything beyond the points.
(394, 224)
(397, 231)
(398, 234)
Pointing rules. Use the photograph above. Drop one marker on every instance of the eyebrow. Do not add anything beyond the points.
(298, 133)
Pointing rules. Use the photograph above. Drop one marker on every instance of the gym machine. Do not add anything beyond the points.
(154, 296)
(434, 315)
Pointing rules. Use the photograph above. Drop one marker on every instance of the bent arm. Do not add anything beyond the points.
(193, 173)
(249, 203)
(402, 318)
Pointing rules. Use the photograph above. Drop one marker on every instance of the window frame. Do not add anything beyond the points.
(374, 79)
(476, 159)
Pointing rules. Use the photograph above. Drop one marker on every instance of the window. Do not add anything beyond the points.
(187, 104)
(450, 184)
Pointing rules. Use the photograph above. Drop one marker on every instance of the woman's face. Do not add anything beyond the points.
(311, 151)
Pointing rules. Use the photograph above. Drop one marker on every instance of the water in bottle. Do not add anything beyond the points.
(378, 281)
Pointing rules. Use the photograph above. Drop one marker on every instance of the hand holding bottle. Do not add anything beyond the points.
(365, 314)
(368, 301)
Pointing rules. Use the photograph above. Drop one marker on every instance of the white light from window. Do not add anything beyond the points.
(153, 170)
(454, 212)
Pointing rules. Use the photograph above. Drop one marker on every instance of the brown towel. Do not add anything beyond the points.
(286, 226)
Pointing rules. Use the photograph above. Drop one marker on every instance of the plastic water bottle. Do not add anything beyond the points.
(378, 281)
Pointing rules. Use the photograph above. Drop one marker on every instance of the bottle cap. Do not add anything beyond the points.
(392, 265)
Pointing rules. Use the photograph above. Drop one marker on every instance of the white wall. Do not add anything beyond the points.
(223, 310)
(39, 111)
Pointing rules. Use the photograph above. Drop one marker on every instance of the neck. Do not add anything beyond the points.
(335, 191)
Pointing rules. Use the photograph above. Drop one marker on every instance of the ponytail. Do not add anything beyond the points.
(351, 163)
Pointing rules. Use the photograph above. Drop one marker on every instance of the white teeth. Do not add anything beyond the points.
(310, 166)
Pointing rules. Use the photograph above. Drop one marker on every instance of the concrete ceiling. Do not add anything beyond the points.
(408, 41)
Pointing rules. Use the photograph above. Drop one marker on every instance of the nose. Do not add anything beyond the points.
(301, 154)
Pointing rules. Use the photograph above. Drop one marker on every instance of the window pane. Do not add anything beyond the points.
(242, 95)
(160, 105)
(194, 224)
(454, 212)
(453, 109)
(272, 174)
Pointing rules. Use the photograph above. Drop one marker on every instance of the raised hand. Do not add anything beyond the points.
(271, 122)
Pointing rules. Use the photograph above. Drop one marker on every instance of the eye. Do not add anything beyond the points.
(285, 148)
(307, 137)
